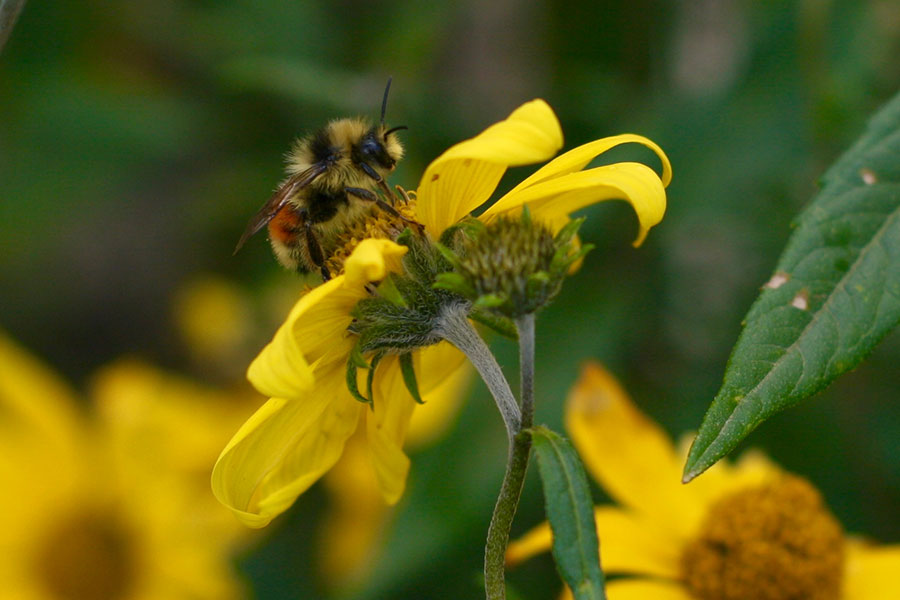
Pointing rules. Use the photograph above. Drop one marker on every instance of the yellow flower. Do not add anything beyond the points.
(300, 432)
(114, 506)
(748, 531)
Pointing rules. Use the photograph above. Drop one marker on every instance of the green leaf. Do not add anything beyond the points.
(570, 511)
(834, 295)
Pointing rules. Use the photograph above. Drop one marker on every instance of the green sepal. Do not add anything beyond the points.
(490, 301)
(568, 231)
(371, 376)
(409, 376)
(355, 362)
(525, 215)
(448, 254)
(387, 289)
(502, 325)
(456, 283)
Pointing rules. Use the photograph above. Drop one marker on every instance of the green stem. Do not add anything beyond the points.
(454, 326)
(516, 467)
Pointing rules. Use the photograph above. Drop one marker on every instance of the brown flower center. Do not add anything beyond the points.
(87, 556)
(775, 542)
(380, 224)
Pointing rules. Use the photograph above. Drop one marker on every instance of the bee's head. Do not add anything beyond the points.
(380, 147)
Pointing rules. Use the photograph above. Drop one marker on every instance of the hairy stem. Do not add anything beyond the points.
(516, 467)
(454, 327)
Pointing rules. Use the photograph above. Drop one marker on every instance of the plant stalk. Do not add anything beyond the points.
(454, 327)
(516, 468)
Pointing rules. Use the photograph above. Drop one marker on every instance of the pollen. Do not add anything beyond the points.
(774, 542)
(378, 224)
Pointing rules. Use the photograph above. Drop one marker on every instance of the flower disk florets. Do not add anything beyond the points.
(512, 266)
(776, 542)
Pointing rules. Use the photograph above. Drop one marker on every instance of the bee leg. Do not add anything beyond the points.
(382, 184)
(370, 196)
(315, 251)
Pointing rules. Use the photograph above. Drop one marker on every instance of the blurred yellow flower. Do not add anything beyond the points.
(116, 505)
(743, 532)
(214, 319)
(300, 433)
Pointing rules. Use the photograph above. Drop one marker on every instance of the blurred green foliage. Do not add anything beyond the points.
(136, 140)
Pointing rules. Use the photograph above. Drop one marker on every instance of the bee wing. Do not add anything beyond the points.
(295, 182)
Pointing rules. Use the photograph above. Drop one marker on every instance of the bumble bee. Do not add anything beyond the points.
(333, 176)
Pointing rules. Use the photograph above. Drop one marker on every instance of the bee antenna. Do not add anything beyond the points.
(384, 101)
(393, 129)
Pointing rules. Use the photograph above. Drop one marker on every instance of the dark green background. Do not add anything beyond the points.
(136, 139)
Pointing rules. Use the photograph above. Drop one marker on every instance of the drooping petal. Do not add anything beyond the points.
(315, 330)
(636, 183)
(870, 571)
(464, 177)
(443, 397)
(386, 424)
(577, 158)
(284, 448)
(628, 454)
(628, 544)
(355, 519)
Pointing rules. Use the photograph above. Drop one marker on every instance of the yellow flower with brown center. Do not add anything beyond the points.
(112, 507)
(743, 532)
(301, 431)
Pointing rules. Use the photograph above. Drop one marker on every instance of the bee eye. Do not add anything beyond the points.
(372, 151)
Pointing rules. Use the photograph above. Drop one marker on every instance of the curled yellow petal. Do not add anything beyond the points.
(371, 260)
(464, 177)
(284, 448)
(559, 196)
(315, 330)
(578, 158)
(316, 324)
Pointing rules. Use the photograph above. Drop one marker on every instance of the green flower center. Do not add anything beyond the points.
(87, 556)
(776, 542)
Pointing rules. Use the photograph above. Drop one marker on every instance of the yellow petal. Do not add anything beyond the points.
(371, 260)
(645, 589)
(315, 332)
(349, 532)
(871, 571)
(443, 398)
(464, 177)
(387, 423)
(34, 399)
(284, 448)
(636, 183)
(628, 454)
(577, 158)
(628, 544)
